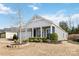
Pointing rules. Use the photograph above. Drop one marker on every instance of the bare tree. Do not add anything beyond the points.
(19, 22)
(70, 23)
(20, 25)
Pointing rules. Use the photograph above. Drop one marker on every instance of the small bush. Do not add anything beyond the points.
(37, 39)
(31, 39)
(15, 38)
(25, 40)
(44, 39)
(54, 37)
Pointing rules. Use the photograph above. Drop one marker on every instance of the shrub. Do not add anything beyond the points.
(15, 38)
(31, 39)
(25, 40)
(44, 39)
(37, 39)
(54, 37)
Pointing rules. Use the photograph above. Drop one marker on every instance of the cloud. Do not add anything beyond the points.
(34, 7)
(75, 19)
(6, 10)
(60, 16)
(57, 17)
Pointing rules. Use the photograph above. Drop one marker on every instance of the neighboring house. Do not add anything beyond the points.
(8, 32)
(41, 27)
(7, 35)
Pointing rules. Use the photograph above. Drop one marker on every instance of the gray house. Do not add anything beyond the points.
(41, 27)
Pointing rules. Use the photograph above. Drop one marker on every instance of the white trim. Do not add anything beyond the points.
(51, 29)
(32, 32)
(41, 31)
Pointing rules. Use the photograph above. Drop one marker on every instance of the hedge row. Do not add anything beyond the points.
(37, 39)
(53, 38)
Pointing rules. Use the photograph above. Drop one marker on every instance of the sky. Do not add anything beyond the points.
(54, 11)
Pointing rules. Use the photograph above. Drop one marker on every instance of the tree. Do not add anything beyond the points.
(64, 26)
(54, 37)
(15, 38)
(77, 29)
(73, 30)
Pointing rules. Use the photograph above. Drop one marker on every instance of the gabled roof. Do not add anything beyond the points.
(37, 17)
(11, 29)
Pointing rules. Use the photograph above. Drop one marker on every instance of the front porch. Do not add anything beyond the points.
(41, 31)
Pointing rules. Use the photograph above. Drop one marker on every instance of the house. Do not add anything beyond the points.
(40, 27)
(7, 35)
(8, 32)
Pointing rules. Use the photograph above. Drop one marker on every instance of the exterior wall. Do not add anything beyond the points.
(35, 24)
(62, 35)
(24, 35)
(9, 35)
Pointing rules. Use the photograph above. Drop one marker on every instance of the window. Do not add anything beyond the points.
(53, 29)
(48, 33)
(38, 32)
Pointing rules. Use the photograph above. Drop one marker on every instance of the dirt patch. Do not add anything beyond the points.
(41, 49)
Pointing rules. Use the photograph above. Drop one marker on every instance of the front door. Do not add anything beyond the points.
(34, 32)
(48, 33)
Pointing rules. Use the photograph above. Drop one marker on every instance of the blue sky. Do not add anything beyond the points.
(55, 11)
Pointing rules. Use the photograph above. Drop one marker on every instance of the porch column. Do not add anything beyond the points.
(32, 32)
(41, 31)
(51, 29)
